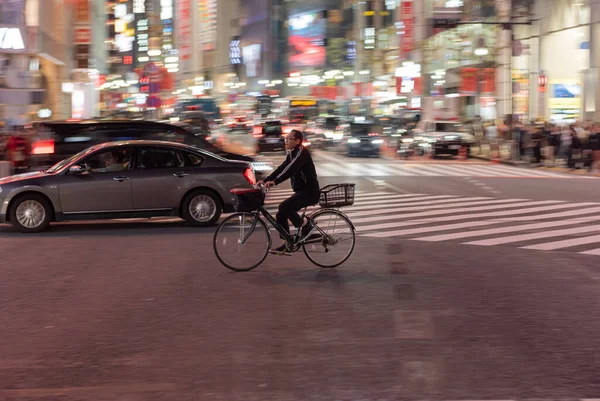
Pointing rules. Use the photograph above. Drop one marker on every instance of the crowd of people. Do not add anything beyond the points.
(574, 145)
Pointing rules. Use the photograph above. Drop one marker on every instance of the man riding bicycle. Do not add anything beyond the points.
(300, 169)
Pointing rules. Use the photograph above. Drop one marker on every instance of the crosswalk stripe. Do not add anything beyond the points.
(377, 195)
(391, 171)
(457, 210)
(335, 169)
(486, 172)
(382, 204)
(400, 171)
(411, 201)
(457, 217)
(534, 236)
(504, 203)
(421, 230)
(550, 246)
(440, 170)
(528, 172)
(502, 230)
(592, 252)
(418, 170)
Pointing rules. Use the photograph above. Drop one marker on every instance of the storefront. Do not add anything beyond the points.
(459, 69)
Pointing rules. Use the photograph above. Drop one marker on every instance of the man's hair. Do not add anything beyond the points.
(297, 135)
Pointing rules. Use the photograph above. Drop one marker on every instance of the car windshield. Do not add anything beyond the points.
(447, 127)
(272, 129)
(61, 164)
(361, 129)
(332, 123)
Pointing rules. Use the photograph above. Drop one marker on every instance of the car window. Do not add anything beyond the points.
(272, 129)
(108, 161)
(157, 158)
(194, 160)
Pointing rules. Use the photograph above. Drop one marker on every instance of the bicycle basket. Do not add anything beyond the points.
(247, 200)
(337, 195)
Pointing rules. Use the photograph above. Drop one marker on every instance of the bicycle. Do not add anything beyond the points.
(250, 236)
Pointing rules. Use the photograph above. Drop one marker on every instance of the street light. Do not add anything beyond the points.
(348, 73)
(263, 82)
(364, 72)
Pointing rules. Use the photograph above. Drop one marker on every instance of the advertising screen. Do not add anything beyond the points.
(566, 90)
(306, 41)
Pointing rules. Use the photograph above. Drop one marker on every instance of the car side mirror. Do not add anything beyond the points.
(77, 170)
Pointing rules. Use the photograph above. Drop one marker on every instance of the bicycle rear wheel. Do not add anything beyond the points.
(335, 239)
(242, 242)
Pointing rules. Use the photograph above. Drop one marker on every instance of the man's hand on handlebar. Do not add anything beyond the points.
(267, 184)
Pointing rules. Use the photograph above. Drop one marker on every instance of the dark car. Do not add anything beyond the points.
(126, 179)
(269, 136)
(58, 140)
(362, 139)
(445, 137)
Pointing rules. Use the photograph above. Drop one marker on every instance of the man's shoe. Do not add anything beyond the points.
(307, 232)
(282, 250)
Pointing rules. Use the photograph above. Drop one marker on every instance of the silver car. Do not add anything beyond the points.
(129, 179)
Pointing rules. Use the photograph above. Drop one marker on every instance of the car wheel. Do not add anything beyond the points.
(30, 213)
(201, 208)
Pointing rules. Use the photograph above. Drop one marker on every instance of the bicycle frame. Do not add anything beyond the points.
(288, 238)
(256, 215)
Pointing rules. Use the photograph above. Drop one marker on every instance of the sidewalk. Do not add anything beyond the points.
(542, 166)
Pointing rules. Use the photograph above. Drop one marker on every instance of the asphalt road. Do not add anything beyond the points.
(143, 310)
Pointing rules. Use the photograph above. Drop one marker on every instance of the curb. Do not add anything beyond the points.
(506, 162)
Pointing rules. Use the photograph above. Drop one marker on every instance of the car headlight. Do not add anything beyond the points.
(353, 140)
(408, 140)
(338, 136)
(377, 141)
(328, 134)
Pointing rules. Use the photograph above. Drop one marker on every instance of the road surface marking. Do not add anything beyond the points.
(457, 217)
(592, 252)
(467, 210)
(550, 246)
(501, 230)
(535, 236)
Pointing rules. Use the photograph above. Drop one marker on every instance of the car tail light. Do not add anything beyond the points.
(43, 147)
(373, 134)
(257, 131)
(249, 176)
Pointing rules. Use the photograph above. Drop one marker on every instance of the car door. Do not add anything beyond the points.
(161, 178)
(104, 187)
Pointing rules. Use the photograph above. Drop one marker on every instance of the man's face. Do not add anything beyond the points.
(290, 141)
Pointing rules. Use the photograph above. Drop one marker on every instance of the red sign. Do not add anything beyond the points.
(408, 39)
(488, 80)
(82, 11)
(469, 80)
(83, 35)
(418, 83)
(184, 33)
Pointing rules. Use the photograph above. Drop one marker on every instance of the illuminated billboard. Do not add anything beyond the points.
(306, 41)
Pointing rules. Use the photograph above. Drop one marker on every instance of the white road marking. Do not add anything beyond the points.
(534, 236)
(501, 230)
(550, 246)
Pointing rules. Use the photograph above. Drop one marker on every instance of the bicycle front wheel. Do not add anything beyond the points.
(333, 241)
(242, 242)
